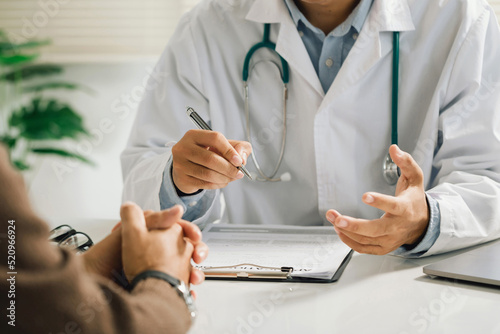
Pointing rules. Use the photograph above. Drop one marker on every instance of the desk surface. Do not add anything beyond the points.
(376, 294)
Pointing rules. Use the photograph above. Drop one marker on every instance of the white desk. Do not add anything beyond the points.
(376, 294)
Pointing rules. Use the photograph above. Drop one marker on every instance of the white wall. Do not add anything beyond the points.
(62, 191)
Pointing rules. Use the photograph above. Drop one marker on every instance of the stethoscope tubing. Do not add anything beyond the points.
(391, 172)
(395, 88)
(266, 43)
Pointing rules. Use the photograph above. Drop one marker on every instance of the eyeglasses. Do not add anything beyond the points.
(68, 237)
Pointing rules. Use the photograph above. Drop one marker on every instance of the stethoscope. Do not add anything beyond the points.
(391, 171)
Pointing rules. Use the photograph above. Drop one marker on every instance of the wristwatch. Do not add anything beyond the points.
(179, 286)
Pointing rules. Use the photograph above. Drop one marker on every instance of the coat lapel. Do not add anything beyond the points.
(288, 44)
(374, 42)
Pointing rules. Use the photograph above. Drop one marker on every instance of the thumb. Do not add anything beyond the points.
(133, 222)
(409, 167)
(164, 219)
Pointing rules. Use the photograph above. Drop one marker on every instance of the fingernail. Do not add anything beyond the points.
(330, 216)
(240, 175)
(202, 254)
(342, 223)
(180, 208)
(236, 160)
(244, 156)
(369, 199)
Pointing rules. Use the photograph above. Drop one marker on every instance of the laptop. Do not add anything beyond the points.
(481, 265)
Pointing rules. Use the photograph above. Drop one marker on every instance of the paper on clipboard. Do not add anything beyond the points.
(312, 251)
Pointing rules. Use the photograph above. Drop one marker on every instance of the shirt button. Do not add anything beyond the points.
(301, 33)
(329, 62)
(355, 36)
(193, 203)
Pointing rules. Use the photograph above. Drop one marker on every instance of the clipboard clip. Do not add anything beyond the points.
(262, 272)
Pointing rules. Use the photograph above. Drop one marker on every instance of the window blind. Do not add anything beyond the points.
(99, 30)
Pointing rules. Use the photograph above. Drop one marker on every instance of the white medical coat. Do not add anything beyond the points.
(449, 117)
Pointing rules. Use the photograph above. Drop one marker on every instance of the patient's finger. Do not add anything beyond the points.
(133, 223)
(197, 276)
(200, 252)
(164, 219)
(117, 226)
(191, 231)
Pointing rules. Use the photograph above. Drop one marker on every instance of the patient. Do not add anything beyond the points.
(57, 291)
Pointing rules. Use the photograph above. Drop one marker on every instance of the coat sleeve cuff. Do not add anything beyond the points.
(195, 206)
(430, 236)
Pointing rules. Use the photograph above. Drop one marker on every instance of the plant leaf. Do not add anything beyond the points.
(47, 120)
(30, 71)
(20, 165)
(17, 59)
(8, 47)
(9, 141)
(57, 85)
(62, 153)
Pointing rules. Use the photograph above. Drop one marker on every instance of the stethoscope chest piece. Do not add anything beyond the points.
(391, 171)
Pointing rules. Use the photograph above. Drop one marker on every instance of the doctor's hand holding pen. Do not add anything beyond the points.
(205, 159)
(406, 214)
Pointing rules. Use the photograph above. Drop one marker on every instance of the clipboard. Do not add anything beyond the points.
(273, 274)
(274, 253)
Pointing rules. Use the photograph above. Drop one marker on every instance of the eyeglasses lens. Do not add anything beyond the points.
(75, 241)
(57, 232)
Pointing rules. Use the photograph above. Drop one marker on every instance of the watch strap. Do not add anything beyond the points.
(174, 282)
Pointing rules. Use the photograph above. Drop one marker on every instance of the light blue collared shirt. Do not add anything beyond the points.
(327, 54)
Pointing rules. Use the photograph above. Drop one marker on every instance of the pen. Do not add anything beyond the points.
(201, 124)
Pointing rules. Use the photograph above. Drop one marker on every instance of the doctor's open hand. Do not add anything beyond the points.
(207, 160)
(406, 214)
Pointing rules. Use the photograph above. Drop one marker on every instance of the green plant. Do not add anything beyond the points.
(32, 121)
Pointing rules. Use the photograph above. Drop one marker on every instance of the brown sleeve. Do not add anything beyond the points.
(54, 293)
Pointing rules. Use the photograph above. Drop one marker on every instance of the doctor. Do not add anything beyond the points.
(338, 116)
